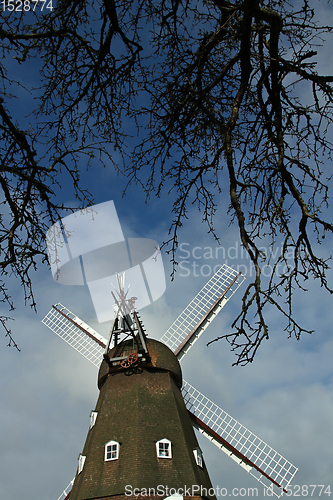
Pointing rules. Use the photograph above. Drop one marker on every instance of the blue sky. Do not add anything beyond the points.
(48, 390)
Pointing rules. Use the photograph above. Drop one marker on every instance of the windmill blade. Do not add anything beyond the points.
(192, 322)
(65, 494)
(76, 333)
(264, 463)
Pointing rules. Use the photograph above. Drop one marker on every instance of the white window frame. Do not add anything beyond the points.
(161, 452)
(114, 452)
(198, 457)
(93, 417)
(82, 459)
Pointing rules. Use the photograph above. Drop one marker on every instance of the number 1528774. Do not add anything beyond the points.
(26, 5)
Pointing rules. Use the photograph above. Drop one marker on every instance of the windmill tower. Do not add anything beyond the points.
(141, 437)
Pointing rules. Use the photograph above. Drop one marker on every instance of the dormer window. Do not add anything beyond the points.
(82, 459)
(198, 457)
(93, 416)
(163, 448)
(111, 451)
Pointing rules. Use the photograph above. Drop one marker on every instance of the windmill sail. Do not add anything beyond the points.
(76, 333)
(65, 494)
(240, 444)
(200, 312)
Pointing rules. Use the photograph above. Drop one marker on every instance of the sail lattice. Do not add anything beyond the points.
(203, 308)
(248, 450)
(65, 494)
(76, 333)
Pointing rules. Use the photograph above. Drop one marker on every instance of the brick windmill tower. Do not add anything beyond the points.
(141, 442)
(141, 437)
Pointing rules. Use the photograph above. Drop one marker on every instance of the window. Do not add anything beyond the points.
(111, 451)
(93, 416)
(163, 448)
(82, 459)
(198, 457)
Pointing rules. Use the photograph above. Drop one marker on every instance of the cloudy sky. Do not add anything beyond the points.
(48, 390)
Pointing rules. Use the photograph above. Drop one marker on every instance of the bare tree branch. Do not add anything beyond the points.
(219, 92)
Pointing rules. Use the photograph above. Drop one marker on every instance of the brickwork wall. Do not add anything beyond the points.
(137, 409)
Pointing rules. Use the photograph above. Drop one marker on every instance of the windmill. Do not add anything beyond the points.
(136, 354)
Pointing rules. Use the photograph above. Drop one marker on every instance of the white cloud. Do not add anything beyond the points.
(48, 391)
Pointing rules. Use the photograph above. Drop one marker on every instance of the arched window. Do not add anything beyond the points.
(111, 451)
(163, 448)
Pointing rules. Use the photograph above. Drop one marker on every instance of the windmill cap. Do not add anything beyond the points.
(161, 359)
